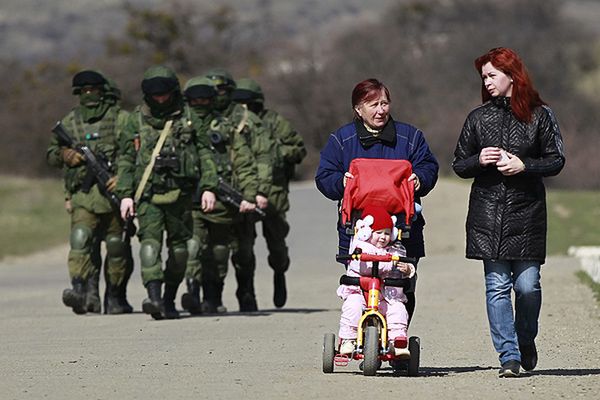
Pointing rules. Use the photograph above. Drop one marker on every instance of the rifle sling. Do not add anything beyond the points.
(150, 166)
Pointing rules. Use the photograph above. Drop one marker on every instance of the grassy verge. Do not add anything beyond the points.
(587, 280)
(573, 220)
(32, 215)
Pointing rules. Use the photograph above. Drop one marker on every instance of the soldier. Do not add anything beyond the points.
(95, 122)
(113, 96)
(262, 146)
(160, 166)
(290, 151)
(210, 246)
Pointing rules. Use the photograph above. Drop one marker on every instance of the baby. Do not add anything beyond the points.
(375, 232)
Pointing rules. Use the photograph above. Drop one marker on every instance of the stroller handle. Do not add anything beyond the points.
(355, 281)
(374, 257)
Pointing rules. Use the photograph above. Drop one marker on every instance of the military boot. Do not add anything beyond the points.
(75, 297)
(190, 301)
(170, 312)
(213, 303)
(112, 303)
(122, 297)
(92, 296)
(245, 292)
(153, 304)
(280, 291)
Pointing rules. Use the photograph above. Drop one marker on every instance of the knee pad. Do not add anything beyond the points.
(193, 247)
(149, 251)
(180, 254)
(80, 237)
(115, 247)
(221, 253)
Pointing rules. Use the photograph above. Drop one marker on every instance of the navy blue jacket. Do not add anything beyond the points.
(344, 146)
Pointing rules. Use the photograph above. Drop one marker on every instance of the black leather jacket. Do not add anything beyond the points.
(507, 214)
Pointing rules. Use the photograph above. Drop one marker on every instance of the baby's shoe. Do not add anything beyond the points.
(347, 346)
(399, 347)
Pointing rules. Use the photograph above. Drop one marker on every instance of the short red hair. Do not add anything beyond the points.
(524, 98)
(368, 90)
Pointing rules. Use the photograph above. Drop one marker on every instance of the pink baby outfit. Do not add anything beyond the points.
(391, 303)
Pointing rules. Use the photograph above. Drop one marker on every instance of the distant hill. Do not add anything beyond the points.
(31, 30)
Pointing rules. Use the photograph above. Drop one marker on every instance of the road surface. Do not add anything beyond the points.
(47, 352)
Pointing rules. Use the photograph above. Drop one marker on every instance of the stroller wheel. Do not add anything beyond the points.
(328, 352)
(414, 346)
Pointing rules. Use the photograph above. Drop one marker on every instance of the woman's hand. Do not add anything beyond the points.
(414, 178)
(347, 176)
(490, 156)
(512, 165)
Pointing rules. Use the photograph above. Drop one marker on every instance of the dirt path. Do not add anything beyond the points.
(48, 352)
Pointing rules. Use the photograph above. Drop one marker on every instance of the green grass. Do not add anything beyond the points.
(587, 280)
(573, 220)
(32, 215)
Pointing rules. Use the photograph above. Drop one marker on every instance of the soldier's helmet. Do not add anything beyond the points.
(221, 79)
(113, 91)
(159, 79)
(199, 87)
(88, 77)
(248, 91)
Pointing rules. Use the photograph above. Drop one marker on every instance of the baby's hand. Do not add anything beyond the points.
(408, 270)
(402, 267)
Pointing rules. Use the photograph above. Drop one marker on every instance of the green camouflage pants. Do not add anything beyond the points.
(176, 220)
(87, 231)
(275, 229)
(213, 241)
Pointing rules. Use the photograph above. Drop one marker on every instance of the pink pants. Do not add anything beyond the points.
(395, 313)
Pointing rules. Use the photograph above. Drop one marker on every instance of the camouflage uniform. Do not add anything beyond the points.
(112, 96)
(97, 123)
(165, 204)
(211, 244)
(262, 146)
(289, 151)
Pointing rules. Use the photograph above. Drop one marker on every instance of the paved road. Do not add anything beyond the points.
(46, 352)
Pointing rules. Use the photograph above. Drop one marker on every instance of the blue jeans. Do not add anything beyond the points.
(507, 331)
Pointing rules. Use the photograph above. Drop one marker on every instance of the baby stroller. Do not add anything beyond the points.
(382, 183)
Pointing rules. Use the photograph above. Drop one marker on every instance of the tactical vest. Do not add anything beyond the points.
(100, 136)
(220, 134)
(177, 165)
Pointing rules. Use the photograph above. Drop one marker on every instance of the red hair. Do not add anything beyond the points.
(524, 98)
(368, 90)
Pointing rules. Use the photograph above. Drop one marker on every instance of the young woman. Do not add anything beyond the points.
(507, 145)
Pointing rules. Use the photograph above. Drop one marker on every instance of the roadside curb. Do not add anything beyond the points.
(589, 257)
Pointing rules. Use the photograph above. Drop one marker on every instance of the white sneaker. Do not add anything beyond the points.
(400, 352)
(347, 346)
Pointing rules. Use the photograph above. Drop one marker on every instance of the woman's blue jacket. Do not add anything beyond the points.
(344, 145)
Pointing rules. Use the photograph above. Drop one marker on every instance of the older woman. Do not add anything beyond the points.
(508, 144)
(374, 134)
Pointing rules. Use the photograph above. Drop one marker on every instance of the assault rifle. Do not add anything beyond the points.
(98, 172)
(228, 194)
